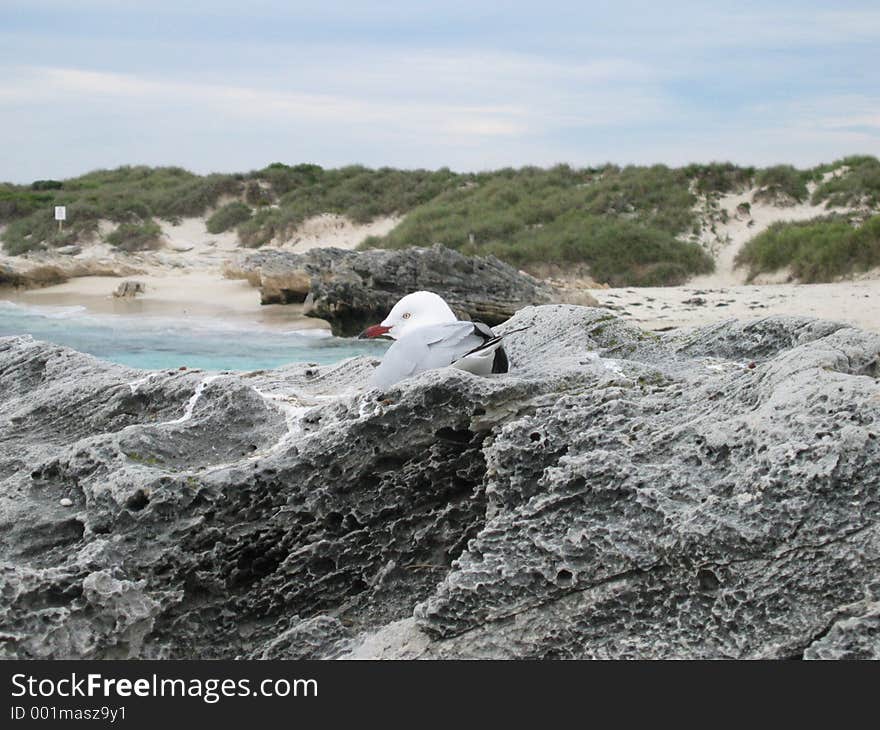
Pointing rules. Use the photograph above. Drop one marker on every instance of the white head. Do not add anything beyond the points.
(415, 310)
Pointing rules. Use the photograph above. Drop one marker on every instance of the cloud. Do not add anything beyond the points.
(79, 86)
(473, 95)
(463, 84)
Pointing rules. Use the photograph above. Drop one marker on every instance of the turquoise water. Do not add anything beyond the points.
(158, 343)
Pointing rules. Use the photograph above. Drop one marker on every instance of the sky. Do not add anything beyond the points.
(232, 86)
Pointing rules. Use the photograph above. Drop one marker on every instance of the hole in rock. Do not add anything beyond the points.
(459, 436)
(323, 565)
(535, 436)
(708, 580)
(137, 501)
(564, 577)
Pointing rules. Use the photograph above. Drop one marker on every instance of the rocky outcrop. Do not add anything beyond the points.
(57, 268)
(30, 277)
(353, 289)
(130, 289)
(618, 494)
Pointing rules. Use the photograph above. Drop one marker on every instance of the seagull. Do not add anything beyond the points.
(428, 335)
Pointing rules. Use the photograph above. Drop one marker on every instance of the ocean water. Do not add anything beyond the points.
(155, 343)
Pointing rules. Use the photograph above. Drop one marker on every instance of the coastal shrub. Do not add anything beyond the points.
(145, 236)
(39, 231)
(284, 178)
(47, 185)
(719, 177)
(782, 180)
(818, 250)
(528, 216)
(125, 193)
(16, 202)
(229, 216)
(194, 197)
(621, 223)
(256, 195)
(359, 193)
(860, 184)
(617, 252)
(259, 230)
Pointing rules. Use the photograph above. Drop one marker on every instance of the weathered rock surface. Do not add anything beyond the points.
(55, 267)
(130, 289)
(30, 276)
(618, 494)
(353, 289)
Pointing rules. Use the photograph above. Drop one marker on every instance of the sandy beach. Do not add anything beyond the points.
(661, 308)
(726, 293)
(185, 278)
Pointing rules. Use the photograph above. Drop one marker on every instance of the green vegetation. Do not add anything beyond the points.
(818, 250)
(720, 177)
(39, 229)
(257, 195)
(357, 192)
(861, 184)
(625, 225)
(782, 180)
(131, 195)
(47, 185)
(17, 202)
(229, 216)
(144, 236)
(622, 223)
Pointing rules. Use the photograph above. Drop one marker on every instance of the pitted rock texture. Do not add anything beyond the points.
(714, 493)
(354, 289)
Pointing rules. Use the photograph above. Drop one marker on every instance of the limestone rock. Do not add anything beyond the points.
(617, 494)
(353, 289)
(130, 289)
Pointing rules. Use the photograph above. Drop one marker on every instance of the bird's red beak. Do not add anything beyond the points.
(377, 330)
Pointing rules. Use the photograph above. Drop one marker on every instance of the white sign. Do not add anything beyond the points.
(60, 212)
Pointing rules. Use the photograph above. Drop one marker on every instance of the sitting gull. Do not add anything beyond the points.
(429, 336)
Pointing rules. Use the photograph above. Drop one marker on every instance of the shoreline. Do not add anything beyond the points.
(191, 296)
(206, 295)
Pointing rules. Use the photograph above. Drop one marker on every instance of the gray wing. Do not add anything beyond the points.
(426, 348)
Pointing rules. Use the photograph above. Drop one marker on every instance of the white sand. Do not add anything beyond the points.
(192, 295)
(853, 302)
(725, 242)
(724, 294)
(335, 231)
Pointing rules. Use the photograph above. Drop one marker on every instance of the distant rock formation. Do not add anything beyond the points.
(49, 271)
(618, 494)
(130, 289)
(30, 277)
(353, 289)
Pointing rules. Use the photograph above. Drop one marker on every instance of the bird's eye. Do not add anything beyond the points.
(407, 315)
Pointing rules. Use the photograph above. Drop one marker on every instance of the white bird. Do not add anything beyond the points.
(429, 336)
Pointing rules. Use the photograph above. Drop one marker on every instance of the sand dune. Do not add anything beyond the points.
(724, 293)
(185, 277)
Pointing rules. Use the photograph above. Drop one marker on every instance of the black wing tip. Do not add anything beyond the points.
(500, 364)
